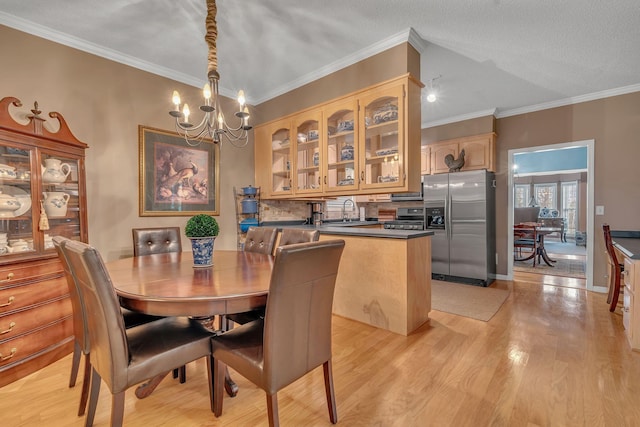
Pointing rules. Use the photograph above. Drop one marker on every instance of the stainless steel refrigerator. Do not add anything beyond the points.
(460, 210)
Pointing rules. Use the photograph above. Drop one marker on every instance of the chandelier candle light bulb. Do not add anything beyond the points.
(213, 124)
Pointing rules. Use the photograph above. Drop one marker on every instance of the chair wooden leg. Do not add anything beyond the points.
(210, 379)
(272, 410)
(75, 364)
(117, 409)
(176, 372)
(182, 374)
(86, 381)
(616, 291)
(328, 386)
(219, 370)
(93, 397)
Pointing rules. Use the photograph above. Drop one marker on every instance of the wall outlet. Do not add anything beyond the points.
(599, 210)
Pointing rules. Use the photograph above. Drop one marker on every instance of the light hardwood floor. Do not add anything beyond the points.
(552, 356)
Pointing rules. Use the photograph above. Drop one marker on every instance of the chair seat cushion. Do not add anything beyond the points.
(165, 344)
(242, 347)
(246, 317)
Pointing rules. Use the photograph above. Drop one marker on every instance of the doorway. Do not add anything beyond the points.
(588, 203)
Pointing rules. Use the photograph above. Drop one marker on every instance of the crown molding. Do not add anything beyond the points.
(569, 101)
(460, 118)
(394, 40)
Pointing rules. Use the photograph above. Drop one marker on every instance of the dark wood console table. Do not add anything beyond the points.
(556, 223)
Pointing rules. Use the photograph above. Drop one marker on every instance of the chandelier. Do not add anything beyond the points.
(213, 125)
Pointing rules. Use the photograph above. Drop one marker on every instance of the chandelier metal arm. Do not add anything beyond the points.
(213, 123)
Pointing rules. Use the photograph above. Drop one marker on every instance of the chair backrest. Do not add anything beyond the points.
(525, 215)
(260, 240)
(290, 236)
(297, 323)
(608, 243)
(147, 241)
(525, 231)
(80, 330)
(108, 343)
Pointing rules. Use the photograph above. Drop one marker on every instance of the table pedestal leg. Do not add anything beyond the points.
(144, 390)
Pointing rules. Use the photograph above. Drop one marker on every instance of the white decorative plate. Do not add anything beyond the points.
(21, 195)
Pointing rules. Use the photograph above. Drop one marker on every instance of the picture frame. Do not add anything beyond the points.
(176, 178)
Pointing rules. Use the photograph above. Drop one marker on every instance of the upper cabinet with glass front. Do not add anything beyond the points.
(309, 139)
(367, 142)
(340, 151)
(41, 186)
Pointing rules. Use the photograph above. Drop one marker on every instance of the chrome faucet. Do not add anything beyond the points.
(345, 216)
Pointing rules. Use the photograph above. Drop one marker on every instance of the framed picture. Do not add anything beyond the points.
(177, 179)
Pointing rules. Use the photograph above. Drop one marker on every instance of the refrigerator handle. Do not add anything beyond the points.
(447, 210)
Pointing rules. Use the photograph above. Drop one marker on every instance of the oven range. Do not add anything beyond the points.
(407, 219)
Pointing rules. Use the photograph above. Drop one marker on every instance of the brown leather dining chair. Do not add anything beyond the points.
(615, 270)
(260, 240)
(158, 240)
(124, 357)
(288, 236)
(80, 331)
(295, 335)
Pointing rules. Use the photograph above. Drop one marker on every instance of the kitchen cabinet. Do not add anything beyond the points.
(367, 142)
(42, 194)
(631, 313)
(425, 160)
(479, 150)
(340, 168)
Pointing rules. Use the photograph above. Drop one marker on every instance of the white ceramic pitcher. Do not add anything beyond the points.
(54, 171)
(55, 203)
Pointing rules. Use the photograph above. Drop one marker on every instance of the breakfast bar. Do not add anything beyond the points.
(384, 278)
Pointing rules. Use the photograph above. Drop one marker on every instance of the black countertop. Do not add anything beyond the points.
(353, 228)
(629, 243)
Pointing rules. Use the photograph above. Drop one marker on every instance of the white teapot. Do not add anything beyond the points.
(54, 171)
(55, 203)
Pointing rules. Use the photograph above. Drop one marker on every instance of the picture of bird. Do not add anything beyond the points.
(454, 164)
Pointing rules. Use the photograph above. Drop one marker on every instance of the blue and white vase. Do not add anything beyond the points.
(202, 251)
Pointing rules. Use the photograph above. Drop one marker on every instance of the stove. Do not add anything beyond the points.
(407, 219)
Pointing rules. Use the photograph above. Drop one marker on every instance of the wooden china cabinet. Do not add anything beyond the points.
(40, 171)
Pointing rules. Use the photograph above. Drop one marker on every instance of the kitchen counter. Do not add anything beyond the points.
(627, 242)
(384, 278)
(353, 228)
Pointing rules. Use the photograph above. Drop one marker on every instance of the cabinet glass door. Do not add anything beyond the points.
(16, 225)
(281, 159)
(60, 197)
(307, 163)
(382, 140)
(341, 147)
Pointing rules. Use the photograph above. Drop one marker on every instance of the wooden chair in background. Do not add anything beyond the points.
(615, 270)
(525, 235)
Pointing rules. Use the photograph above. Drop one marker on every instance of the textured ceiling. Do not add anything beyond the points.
(507, 56)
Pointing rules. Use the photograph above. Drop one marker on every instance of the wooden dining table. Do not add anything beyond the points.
(541, 251)
(169, 285)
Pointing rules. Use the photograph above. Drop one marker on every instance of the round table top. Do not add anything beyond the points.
(169, 285)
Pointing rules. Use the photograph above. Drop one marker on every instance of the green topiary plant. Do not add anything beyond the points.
(201, 225)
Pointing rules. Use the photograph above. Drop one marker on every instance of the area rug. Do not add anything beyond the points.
(562, 267)
(471, 301)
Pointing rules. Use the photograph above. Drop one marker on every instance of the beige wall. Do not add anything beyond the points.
(103, 103)
(614, 124)
(386, 65)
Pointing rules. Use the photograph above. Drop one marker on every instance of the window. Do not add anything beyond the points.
(569, 192)
(545, 195)
(522, 195)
